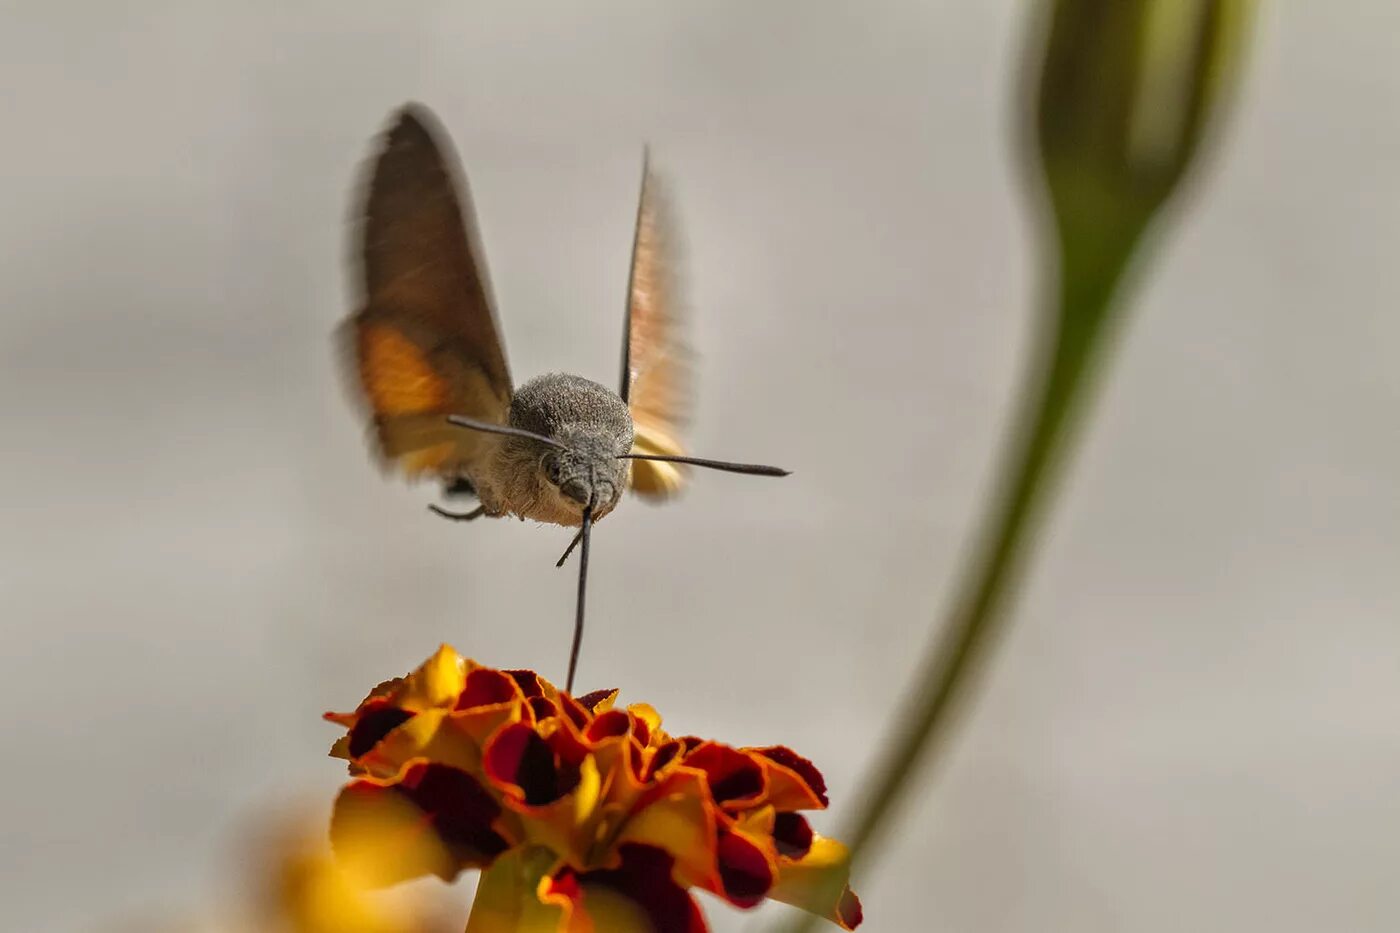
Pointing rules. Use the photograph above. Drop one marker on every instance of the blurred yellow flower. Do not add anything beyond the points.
(290, 882)
(301, 888)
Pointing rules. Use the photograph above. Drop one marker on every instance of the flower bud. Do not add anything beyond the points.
(1127, 91)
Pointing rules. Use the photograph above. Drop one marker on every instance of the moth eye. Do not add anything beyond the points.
(552, 471)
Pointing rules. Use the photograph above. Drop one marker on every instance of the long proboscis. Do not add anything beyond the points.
(582, 588)
(752, 469)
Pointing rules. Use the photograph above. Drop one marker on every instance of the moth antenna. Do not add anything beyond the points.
(753, 469)
(570, 549)
(462, 421)
(582, 584)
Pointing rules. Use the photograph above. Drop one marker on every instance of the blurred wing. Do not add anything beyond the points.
(425, 343)
(656, 366)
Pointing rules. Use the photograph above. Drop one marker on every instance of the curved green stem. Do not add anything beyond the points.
(1124, 95)
(506, 901)
(978, 613)
(1081, 308)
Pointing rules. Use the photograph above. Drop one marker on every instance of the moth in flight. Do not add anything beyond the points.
(426, 350)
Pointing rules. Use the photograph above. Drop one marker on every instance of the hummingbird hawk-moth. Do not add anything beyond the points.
(425, 348)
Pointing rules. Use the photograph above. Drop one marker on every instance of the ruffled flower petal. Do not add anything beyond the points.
(794, 783)
(640, 895)
(586, 816)
(734, 777)
(433, 819)
(532, 768)
(598, 700)
(438, 683)
(485, 687)
(793, 835)
(372, 724)
(746, 869)
(677, 817)
(818, 883)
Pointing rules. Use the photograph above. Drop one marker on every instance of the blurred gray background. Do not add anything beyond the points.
(1196, 724)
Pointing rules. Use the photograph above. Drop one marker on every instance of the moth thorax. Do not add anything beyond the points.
(572, 410)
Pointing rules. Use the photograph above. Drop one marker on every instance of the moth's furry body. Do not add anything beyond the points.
(526, 478)
(425, 349)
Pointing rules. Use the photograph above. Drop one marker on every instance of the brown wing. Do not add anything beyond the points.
(656, 366)
(425, 342)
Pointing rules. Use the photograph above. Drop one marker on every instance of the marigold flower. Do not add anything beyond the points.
(582, 815)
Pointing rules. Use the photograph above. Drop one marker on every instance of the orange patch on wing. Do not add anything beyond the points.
(651, 477)
(428, 460)
(398, 379)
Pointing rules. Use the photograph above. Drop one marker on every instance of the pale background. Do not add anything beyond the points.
(1196, 725)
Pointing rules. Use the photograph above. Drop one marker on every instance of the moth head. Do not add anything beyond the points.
(586, 471)
(581, 428)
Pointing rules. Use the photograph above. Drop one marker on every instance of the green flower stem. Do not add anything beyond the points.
(1126, 90)
(506, 899)
(978, 614)
(1082, 300)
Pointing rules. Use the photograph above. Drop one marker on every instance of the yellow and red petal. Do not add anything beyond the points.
(620, 762)
(477, 724)
(609, 724)
(621, 751)
(531, 684)
(373, 723)
(678, 816)
(747, 868)
(573, 709)
(598, 701)
(736, 778)
(646, 724)
(430, 734)
(819, 883)
(756, 822)
(542, 708)
(433, 819)
(532, 768)
(519, 762)
(382, 691)
(656, 760)
(340, 748)
(487, 687)
(638, 896)
(347, 720)
(568, 825)
(436, 684)
(793, 835)
(794, 783)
